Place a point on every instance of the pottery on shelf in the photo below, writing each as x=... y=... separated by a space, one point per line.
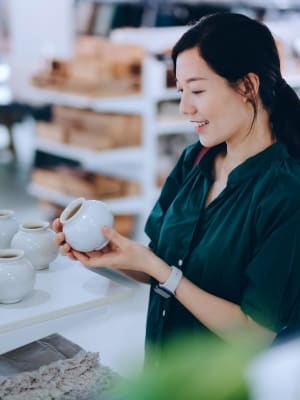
x=82 y=221
x=17 y=276
x=8 y=227
x=36 y=239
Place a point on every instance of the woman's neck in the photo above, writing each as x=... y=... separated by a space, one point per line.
x=258 y=139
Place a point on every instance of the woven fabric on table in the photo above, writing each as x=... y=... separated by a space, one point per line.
x=54 y=368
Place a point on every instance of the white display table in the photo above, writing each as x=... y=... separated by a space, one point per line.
x=66 y=294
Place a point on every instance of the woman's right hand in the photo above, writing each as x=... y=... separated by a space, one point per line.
x=60 y=240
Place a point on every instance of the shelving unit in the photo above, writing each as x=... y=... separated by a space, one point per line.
x=93 y=160
x=128 y=205
x=137 y=163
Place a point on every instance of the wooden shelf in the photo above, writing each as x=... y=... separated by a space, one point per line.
x=127 y=155
x=126 y=205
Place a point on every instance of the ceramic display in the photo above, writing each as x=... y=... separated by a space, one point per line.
x=8 y=227
x=17 y=276
x=36 y=239
x=82 y=221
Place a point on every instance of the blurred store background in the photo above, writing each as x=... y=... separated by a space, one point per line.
x=87 y=98
x=88 y=106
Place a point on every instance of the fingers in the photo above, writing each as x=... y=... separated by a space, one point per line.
x=57 y=225
x=114 y=236
x=102 y=260
x=59 y=239
x=71 y=256
x=65 y=249
x=95 y=258
x=103 y=250
x=94 y=253
x=83 y=258
x=106 y=249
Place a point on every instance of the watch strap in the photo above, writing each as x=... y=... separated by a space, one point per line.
x=168 y=288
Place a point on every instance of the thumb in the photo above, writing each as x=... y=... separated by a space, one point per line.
x=57 y=225
x=113 y=236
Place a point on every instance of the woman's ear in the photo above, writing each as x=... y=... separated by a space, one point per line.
x=248 y=86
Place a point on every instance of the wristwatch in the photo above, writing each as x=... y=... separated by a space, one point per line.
x=168 y=288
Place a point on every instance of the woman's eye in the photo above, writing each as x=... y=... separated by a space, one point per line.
x=198 y=91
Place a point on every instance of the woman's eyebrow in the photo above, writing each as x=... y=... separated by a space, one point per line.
x=197 y=78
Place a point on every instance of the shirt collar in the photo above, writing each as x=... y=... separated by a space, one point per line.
x=250 y=167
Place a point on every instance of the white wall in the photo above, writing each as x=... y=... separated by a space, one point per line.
x=39 y=28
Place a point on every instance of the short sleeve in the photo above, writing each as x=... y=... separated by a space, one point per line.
x=170 y=189
x=272 y=278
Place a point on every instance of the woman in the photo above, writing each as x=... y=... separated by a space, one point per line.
x=225 y=233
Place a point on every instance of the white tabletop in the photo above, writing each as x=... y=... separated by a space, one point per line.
x=64 y=295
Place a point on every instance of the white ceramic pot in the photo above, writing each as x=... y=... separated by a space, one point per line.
x=36 y=239
x=8 y=227
x=17 y=276
x=82 y=221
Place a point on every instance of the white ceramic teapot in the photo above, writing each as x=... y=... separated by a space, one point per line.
x=17 y=276
x=82 y=221
x=36 y=239
x=8 y=227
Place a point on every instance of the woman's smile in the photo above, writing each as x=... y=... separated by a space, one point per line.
x=200 y=126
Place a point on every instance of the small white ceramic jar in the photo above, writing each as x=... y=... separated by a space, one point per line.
x=82 y=221
x=8 y=227
x=17 y=276
x=36 y=239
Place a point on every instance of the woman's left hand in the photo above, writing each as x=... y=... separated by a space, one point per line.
x=121 y=253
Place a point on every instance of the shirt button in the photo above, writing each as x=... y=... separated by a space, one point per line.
x=180 y=262
x=164 y=313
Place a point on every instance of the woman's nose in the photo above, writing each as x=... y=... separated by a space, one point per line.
x=185 y=106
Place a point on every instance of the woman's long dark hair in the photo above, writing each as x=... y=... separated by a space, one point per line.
x=234 y=45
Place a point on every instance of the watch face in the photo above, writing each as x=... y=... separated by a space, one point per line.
x=162 y=291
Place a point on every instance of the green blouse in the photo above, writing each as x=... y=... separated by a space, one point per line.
x=244 y=247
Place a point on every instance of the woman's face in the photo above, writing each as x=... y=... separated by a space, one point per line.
x=219 y=112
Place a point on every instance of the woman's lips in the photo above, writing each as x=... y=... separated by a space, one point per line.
x=200 y=127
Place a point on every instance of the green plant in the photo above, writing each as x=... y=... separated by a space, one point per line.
x=196 y=369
